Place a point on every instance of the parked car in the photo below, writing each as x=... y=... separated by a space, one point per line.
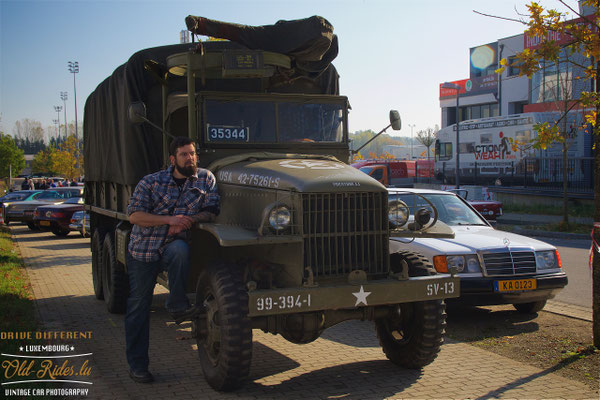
x=23 y=211
x=57 y=217
x=495 y=267
x=490 y=209
x=20 y=195
x=80 y=222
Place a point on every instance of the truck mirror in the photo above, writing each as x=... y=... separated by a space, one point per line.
x=136 y=112
x=395 y=120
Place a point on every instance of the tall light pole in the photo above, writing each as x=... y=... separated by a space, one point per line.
x=64 y=96
x=454 y=86
x=58 y=109
x=411 y=140
x=56 y=126
x=74 y=69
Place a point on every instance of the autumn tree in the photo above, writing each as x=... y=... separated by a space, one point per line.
x=28 y=129
x=42 y=161
x=12 y=159
x=582 y=38
x=427 y=138
x=64 y=161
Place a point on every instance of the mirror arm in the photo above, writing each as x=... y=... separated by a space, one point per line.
x=370 y=140
x=155 y=126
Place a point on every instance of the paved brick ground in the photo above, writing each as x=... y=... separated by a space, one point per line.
x=346 y=362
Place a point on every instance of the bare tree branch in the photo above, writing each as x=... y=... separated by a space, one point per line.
x=504 y=18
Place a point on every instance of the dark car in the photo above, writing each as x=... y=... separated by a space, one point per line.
x=70 y=191
x=57 y=217
x=490 y=209
x=22 y=211
x=12 y=197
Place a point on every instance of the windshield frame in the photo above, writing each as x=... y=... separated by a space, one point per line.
x=275 y=99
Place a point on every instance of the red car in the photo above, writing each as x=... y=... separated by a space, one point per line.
x=488 y=208
x=57 y=217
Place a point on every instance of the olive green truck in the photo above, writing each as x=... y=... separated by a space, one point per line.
x=301 y=243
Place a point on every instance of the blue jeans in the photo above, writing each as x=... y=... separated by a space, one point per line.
x=142 y=279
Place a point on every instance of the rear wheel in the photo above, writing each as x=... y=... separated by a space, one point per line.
x=97 y=242
x=530 y=308
x=223 y=330
x=115 y=284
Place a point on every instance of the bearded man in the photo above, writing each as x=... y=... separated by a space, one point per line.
x=162 y=209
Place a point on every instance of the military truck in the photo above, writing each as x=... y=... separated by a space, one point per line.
x=301 y=243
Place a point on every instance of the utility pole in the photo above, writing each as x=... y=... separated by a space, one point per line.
x=64 y=97
x=58 y=109
x=411 y=140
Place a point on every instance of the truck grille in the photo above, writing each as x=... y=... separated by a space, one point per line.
x=509 y=263
x=344 y=232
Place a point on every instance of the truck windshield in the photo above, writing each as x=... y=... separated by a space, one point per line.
x=255 y=121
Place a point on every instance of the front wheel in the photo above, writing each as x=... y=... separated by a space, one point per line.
x=223 y=330
x=60 y=232
x=412 y=334
x=530 y=308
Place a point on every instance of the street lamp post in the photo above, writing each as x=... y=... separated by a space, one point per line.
x=64 y=97
x=58 y=109
x=454 y=86
x=411 y=140
x=74 y=69
x=56 y=127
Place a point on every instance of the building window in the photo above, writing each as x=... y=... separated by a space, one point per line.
x=513 y=67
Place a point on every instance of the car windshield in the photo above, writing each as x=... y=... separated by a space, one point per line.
x=257 y=121
x=49 y=195
x=451 y=209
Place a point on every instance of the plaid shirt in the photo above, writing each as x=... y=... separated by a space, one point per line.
x=159 y=194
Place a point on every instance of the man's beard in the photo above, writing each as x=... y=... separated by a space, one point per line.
x=186 y=171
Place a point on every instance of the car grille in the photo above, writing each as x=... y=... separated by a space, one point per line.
x=345 y=232
x=509 y=263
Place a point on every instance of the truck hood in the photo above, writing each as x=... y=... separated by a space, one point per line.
x=295 y=172
x=470 y=240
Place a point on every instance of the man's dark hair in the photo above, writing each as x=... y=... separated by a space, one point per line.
x=178 y=142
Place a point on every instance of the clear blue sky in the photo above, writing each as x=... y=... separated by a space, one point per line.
x=393 y=54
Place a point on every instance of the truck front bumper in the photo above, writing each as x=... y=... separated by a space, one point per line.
x=351 y=296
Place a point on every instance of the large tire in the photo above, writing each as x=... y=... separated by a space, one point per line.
x=115 y=284
x=223 y=330
x=97 y=242
x=411 y=337
x=530 y=308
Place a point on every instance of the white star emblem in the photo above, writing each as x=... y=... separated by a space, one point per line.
x=361 y=296
x=21 y=348
x=72 y=348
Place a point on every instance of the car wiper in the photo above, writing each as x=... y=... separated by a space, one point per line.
x=466 y=223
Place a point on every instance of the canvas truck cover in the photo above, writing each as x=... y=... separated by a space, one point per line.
x=115 y=150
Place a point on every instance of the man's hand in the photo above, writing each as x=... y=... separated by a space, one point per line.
x=179 y=223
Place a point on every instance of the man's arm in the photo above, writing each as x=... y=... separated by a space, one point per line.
x=141 y=218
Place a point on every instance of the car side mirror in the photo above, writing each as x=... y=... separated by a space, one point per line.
x=395 y=120
x=137 y=112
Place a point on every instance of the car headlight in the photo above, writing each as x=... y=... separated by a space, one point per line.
x=280 y=218
x=547 y=259
x=462 y=263
x=397 y=214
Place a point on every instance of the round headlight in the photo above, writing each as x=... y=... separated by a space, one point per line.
x=457 y=262
x=472 y=264
x=280 y=218
x=397 y=213
x=546 y=259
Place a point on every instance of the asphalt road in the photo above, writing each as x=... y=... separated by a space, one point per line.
x=574 y=255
